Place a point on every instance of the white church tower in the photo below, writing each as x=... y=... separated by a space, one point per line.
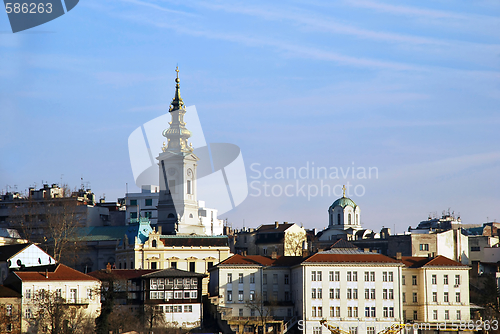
x=177 y=205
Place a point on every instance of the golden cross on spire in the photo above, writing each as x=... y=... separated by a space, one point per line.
x=343 y=189
x=177 y=70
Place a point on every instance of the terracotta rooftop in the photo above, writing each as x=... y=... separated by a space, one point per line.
x=439 y=261
x=281 y=261
x=61 y=273
x=351 y=258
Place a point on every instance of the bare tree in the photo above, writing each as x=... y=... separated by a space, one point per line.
x=293 y=243
x=262 y=309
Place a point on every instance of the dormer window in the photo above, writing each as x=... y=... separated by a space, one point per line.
x=153 y=244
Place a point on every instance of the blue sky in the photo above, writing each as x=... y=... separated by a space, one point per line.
x=411 y=88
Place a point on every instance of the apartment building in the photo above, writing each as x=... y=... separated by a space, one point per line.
x=435 y=290
x=358 y=291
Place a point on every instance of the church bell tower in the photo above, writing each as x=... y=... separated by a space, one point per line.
x=177 y=205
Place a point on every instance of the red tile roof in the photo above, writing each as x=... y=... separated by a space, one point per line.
x=351 y=258
x=61 y=273
x=421 y=261
x=249 y=260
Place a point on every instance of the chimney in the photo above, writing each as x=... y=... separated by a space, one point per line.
x=274 y=255
x=159 y=230
x=108 y=268
x=398 y=256
x=46 y=273
x=276 y=224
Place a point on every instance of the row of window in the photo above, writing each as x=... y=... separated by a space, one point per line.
x=433 y=280
x=168 y=283
x=286 y=278
x=458 y=315
x=271 y=313
x=73 y=293
x=145 y=214
x=446 y=298
x=175 y=308
x=167 y=295
x=147 y=202
x=352 y=312
x=229 y=296
x=334 y=276
x=352 y=293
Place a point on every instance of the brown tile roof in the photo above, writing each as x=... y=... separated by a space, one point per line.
x=341 y=243
x=272 y=228
x=194 y=240
x=421 y=261
x=61 y=273
x=5 y=292
x=351 y=258
x=248 y=260
x=121 y=274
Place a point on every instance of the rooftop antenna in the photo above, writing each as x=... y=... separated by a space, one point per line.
x=126 y=188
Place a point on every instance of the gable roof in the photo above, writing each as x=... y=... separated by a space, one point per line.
x=172 y=272
x=281 y=261
x=8 y=251
x=438 y=261
x=272 y=227
x=350 y=258
x=60 y=273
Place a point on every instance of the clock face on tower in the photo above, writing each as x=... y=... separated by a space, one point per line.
x=171 y=171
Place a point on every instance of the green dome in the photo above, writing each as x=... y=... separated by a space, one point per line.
x=343 y=202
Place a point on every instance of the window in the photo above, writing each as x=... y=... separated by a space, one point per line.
x=313 y=293
x=28 y=314
x=403 y=281
x=188 y=186
x=240 y=295
x=349 y=276
x=355 y=294
x=459 y=316
x=174 y=265
x=316 y=330
x=415 y=298
x=187 y=295
x=385 y=312
x=287 y=279
x=391 y=294
x=89 y=293
x=313 y=311
x=372 y=294
x=372 y=276
x=320 y=311
x=414 y=280
x=373 y=313
x=446 y=314
x=349 y=219
x=252 y=313
x=332 y=296
x=391 y=276
x=404 y=297
x=435 y=315
x=192 y=267
x=384 y=294
x=264 y=295
x=133 y=202
x=384 y=276
x=415 y=315
x=391 y=312
x=338 y=219
x=424 y=247
x=355 y=309
x=349 y=293
x=457 y=297
x=240 y=278
x=434 y=279
x=337 y=276
x=229 y=296
x=252 y=295
x=337 y=311
x=457 y=279
x=445 y=297
x=475 y=249
x=275 y=278
x=153 y=265
x=370 y=330
x=9 y=327
x=287 y=295
x=330 y=276
x=367 y=312
x=404 y=315
x=264 y=279
x=445 y=279
x=332 y=311
x=367 y=276
x=240 y=312
x=252 y=278
x=133 y=215
x=229 y=278
x=320 y=293
x=148 y=201
x=72 y=295
x=188 y=308
x=349 y=312
x=313 y=276
x=435 y=297
x=367 y=293
x=178 y=295
x=8 y=310
x=337 y=293
x=355 y=276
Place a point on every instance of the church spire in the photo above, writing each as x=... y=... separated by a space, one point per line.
x=177 y=134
